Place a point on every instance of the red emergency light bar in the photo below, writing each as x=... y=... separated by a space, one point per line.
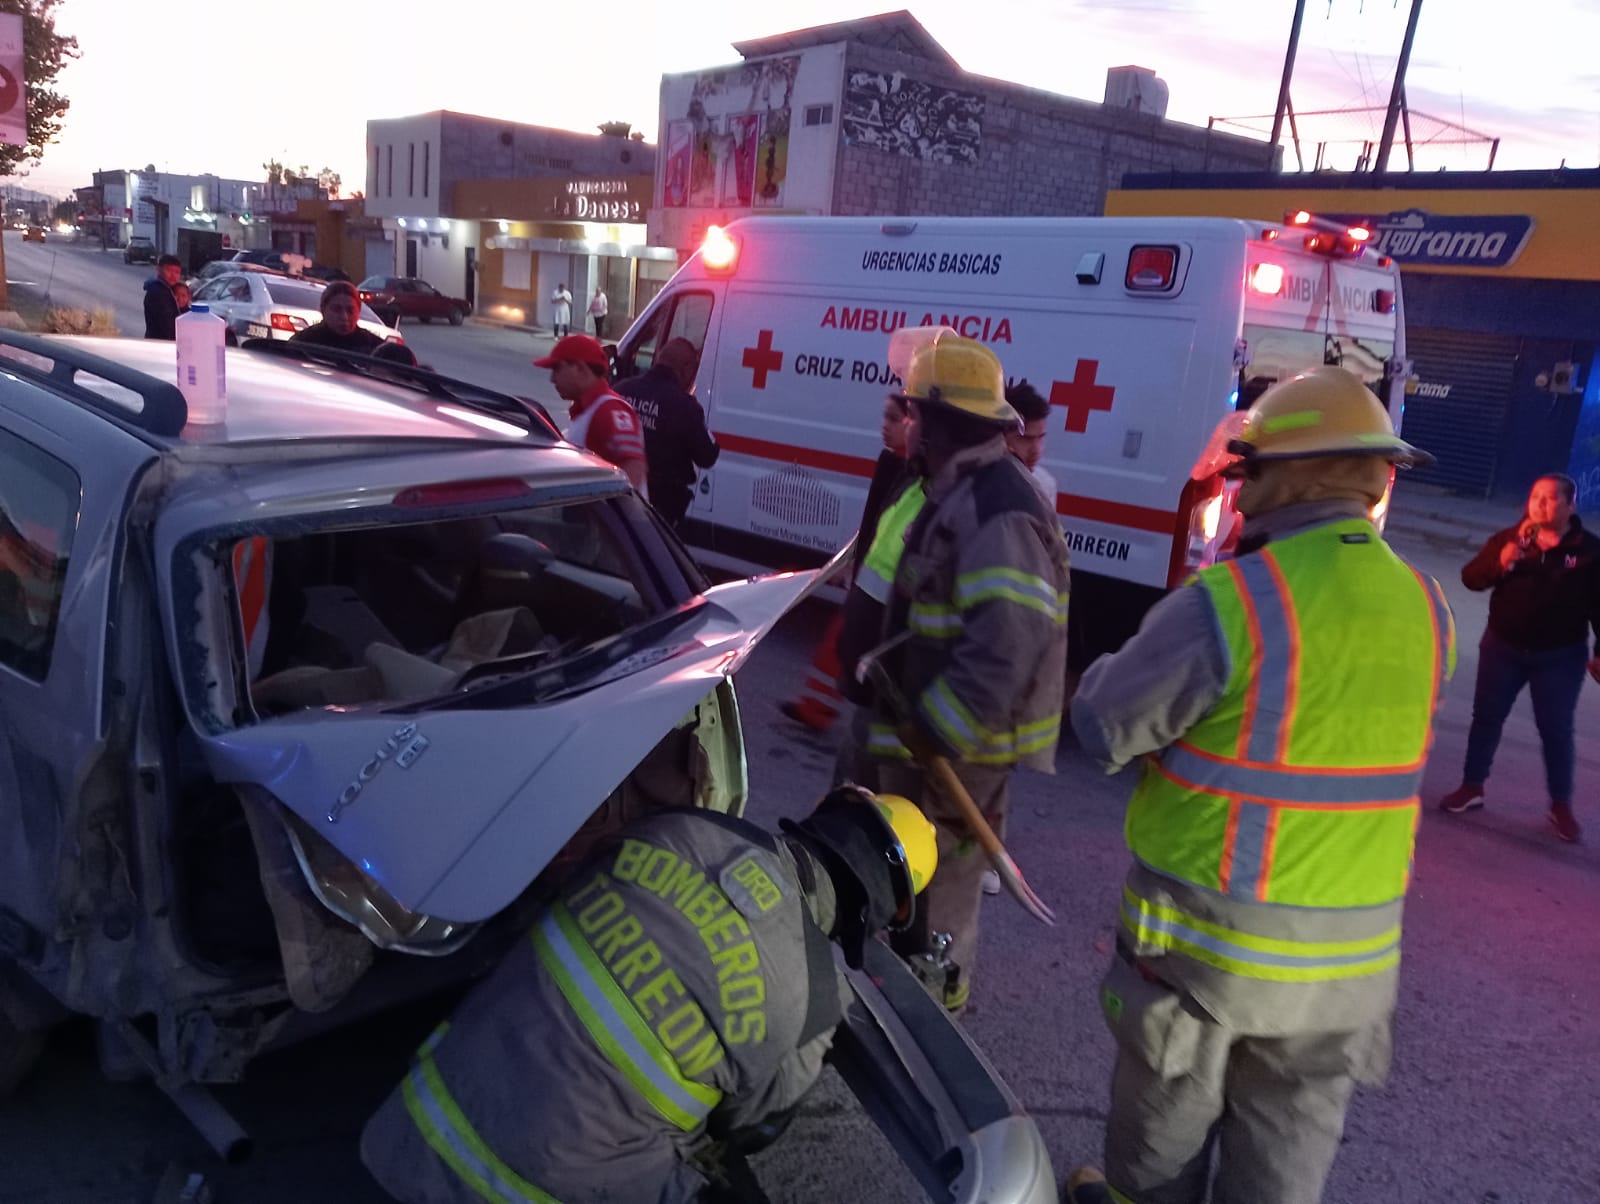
x=1331 y=238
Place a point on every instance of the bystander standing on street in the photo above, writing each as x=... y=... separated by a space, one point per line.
x=561 y=311
x=1543 y=575
x=161 y=299
x=676 y=440
x=598 y=308
x=340 y=326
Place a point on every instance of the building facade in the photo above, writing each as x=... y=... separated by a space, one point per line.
x=874 y=117
x=499 y=212
x=198 y=218
x=1501 y=275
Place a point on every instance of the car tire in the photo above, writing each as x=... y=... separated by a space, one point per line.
x=424 y=319
x=457 y=315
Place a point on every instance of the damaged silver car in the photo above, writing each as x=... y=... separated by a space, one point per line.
x=303 y=714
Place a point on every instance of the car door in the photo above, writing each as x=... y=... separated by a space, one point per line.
x=438 y=304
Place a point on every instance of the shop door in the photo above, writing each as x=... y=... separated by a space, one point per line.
x=411 y=257
x=1458 y=409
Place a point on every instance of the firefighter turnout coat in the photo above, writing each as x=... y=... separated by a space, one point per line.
x=981 y=586
x=667 y=983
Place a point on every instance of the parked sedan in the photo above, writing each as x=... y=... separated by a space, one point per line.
x=139 y=250
x=412 y=297
x=262 y=305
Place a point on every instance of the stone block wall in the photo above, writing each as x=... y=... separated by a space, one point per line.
x=1040 y=154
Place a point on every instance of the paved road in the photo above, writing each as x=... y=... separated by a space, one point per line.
x=1493 y=1098
x=76 y=274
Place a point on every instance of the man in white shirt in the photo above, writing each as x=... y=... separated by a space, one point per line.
x=598 y=307
x=1027 y=444
x=561 y=311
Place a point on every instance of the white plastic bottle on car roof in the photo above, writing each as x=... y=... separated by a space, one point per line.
x=202 y=374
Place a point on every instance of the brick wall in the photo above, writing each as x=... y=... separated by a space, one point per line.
x=1041 y=154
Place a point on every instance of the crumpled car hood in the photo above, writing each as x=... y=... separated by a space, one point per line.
x=455 y=812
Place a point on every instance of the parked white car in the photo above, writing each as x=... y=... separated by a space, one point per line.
x=260 y=305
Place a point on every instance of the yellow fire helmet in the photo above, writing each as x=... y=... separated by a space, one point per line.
x=867 y=835
x=940 y=367
x=918 y=839
x=1326 y=411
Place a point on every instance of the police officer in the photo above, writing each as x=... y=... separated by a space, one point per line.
x=676 y=440
x=681 y=983
x=980 y=590
x=1285 y=703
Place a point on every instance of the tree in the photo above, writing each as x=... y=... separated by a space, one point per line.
x=66 y=211
x=275 y=171
x=329 y=181
x=45 y=52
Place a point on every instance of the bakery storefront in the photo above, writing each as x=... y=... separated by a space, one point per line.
x=584 y=233
x=1501 y=293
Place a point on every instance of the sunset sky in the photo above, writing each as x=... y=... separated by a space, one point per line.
x=214 y=88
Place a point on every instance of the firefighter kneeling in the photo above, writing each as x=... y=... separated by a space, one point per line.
x=1284 y=706
x=682 y=982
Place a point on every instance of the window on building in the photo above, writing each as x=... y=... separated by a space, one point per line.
x=372 y=179
x=388 y=178
x=819 y=114
x=39 y=497
x=427 y=164
x=411 y=171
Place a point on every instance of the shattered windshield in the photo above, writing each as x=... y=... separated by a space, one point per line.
x=393 y=613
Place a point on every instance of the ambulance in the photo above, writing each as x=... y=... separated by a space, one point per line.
x=1143 y=333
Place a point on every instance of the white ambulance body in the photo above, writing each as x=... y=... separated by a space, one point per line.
x=1142 y=332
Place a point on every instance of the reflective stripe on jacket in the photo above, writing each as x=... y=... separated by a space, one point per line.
x=982 y=588
x=669 y=978
x=1291 y=807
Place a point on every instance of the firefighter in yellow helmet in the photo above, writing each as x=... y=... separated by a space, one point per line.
x=681 y=986
x=978 y=588
x=1283 y=703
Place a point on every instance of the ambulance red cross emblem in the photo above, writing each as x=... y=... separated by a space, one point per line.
x=1081 y=395
x=762 y=359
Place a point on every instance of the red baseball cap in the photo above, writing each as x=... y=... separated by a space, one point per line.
x=576 y=349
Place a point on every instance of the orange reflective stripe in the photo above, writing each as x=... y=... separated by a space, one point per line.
x=250 y=579
x=1252 y=697
x=1291 y=685
x=1269 y=846
x=1229 y=839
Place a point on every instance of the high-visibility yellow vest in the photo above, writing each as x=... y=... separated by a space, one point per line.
x=876 y=577
x=1299 y=787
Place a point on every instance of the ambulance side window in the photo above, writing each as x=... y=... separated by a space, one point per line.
x=684 y=315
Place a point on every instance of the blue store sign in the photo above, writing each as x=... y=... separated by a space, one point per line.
x=1478 y=241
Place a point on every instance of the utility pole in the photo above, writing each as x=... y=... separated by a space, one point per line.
x=1397 y=94
x=1288 y=71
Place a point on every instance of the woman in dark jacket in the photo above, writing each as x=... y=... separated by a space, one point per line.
x=1544 y=574
x=340 y=326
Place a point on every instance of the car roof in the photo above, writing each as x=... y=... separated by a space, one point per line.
x=273 y=397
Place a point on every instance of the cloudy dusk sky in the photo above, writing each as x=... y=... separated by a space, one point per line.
x=214 y=88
